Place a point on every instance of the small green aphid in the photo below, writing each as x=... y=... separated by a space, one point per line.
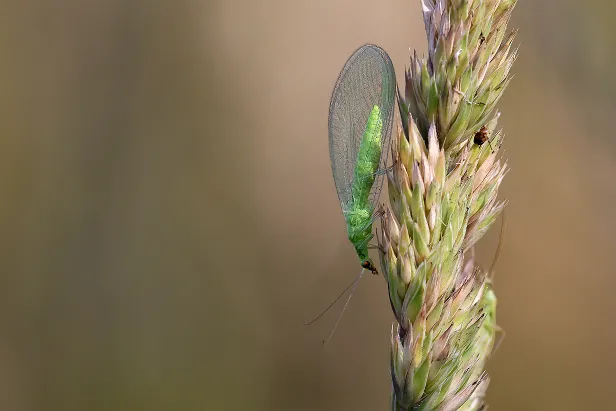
x=489 y=325
x=360 y=119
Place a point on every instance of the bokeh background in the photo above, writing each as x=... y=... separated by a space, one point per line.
x=168 y=218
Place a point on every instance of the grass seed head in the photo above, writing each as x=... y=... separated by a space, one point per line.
x=443 y=197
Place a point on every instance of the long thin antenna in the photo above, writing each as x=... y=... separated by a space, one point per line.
x=337 y=298
x=501 y=239
x=499 y=247
x=331 y=334
x=503 y=334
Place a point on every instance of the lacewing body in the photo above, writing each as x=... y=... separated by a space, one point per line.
x=360 y=121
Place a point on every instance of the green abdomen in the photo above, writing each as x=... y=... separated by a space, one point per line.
x=360 y=210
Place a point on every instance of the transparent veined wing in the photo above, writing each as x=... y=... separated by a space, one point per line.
x=367 y=79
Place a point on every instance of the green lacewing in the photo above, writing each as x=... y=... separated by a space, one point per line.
x=361 y=114
x=360 y=119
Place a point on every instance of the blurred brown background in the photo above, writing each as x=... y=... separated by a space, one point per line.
x=168 y=217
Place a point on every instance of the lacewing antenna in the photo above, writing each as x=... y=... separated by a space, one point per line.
x=499 y=247
x=353 y=285
x=331 y=334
